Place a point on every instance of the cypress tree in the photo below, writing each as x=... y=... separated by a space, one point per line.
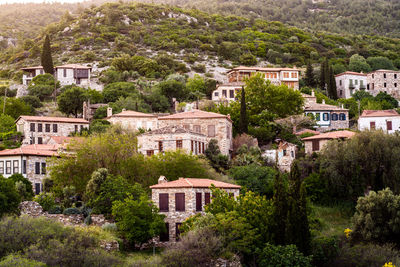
x=243 y=123
x=280 y=210
x=47 y=61
x=322 y=76
x=309 y=79
x=332 y=85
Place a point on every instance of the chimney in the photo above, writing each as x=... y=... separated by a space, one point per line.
x=229 y=116
x=162 y=180
x=124 y=109
x=85 y=108
x=109 y=112
x=323 y=101
x=312 y=93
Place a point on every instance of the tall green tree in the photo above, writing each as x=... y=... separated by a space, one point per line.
x=71 y=100
x=46 y=59
x=332 y=92
x=280 y=210
x=310 y=79
x=322 y=74
x=243 y=121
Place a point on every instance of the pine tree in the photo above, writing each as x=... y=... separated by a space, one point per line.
x=243 y=122
x=279 y=210
x=309 y=79
x=47 y=61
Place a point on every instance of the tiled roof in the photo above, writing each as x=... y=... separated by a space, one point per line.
x=194 y=114
x=381 y=70
x=351 y=73
x=72 y=66
x=131 y=113
x=53 y=119
x=232 y=84
x=331 y=135
x=317 y=106
x=261 y=69
x=194 y=183
x=306 y=131
x=379 y=113
x=64 y=139
x=33 y=150
x=32 y=68
x=172 y=129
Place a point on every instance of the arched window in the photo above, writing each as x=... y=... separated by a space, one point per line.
x=342 y=116
x=334 y=117
x=325 y=116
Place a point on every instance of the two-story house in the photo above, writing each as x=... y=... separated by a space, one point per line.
x=387 y=81
x=182 y=198
x=30 y=161
x=39 y=130
x=317 y=142
x=347 y=83
x=386 y=120
x=30 y=72
x=171 y=138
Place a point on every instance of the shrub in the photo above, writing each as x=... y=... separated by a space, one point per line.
x=316 y=188
x=46 y=200
x=70 y=211
x=19 y=261
x=25 y=186
x=55 y=210
x=9 y=197
x=283 y=256
x=109 y=227
x=199 y=68
x=324 y=249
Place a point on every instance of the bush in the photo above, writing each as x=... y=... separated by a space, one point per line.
x=55 y=210
x=46 y=200
x=199 y=68
x=23 y=186
x=31 y=100
x=70 y=211
x=9 y=197
x=324 y=249
x=316 y=188
x=19 y=261
x=109 y=227
x=283 y=256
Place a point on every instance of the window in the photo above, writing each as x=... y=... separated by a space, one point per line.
x=178 y=144
x=164 y=237
x=55 y=128
x=294 y=75
x=41 y=71
x=384 y=75
x=40 y=127
x=23 y=166
x=65 y=72
x=395 y=76
x=372 y=125
x=356 y=82
x=8 y=167
x=177 y=231
x=325 y=116
x=211 y=130
x=395 y=84
x=203 y=147
x=216 y=94
x=231 y=93
x=76 y=128
x=389 y=125
x=186 y=126
x=15 y=166
x=341 y=92
x=32 y=127
x=206 y=198
x=81 y=128
x=197 y=128
x=40 y=140
x=292 y=153
x=224 y=93
x=191 y=145
x=285 y=75
x=315 y=145
x=317 y=116
x=373 y=86
x=384 y=84
x=47 y=128
x=37 y=188
x=32 y=140
x=342 y=116
x=372 y=76
x=1 y=167
x=334 y=117
x=179 y=201
x=160 y=146
x=150 y=153
x=43 y=167
x=37 y=167
x=340 y=82
x=284 y=152
x=163 y=202
x=198 y=202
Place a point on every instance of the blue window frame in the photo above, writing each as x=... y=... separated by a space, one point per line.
x=325 y=116
x=317 y=116
x=334 y=117
x=342 y=116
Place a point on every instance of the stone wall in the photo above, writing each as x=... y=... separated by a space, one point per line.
x=376 y=83
x=135 y=123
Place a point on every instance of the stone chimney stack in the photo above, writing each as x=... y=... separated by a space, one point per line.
x=85 y=111
x=124 y=109
x=162 y=180
x=109 y=112
x=323 y=101
x=312 y=93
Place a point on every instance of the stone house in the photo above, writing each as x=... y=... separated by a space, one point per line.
x=30 y=161
x=38 y=129
x=386 y=120
x=182 y=198
x=90 y=109
x=227 y=92
x=317 y=142
x=213 y=125
x=133 y=120
x=283 y=156
x=387 y=81
x=328 y=117
x=171 y=138
x=30 y=72
x=347 y=83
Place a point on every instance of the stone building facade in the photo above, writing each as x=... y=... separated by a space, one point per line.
x=133 y=120
x=317 y=142
x=39 y=130
x=387 y=81
x=227 y=92
x=283 y=156
x=171 y=138
x=90 y=109
x=347 y=83
x=183 y=198
x=31 y=161
x=213 y=125
x=386 y=120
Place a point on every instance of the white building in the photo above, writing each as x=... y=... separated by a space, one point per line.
x=347 y=83
x=227 y=92
x=30 y=73
x=133 y=120
x=387 y=120
x=283 y=156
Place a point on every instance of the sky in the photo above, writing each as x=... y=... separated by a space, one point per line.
x=38 y=1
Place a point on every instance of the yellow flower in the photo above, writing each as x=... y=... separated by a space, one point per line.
x=347 y=232
x=388 y=264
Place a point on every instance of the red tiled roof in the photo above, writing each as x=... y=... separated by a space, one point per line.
x=194 y=183
x=72 y=66
x=317 y=106
x=53 y=119
x=194 y=114
x=351 y=73
x=172 y=129
x=381 y=70
x=261 y=69
x=380 y=113
x=131 y=113
x=33 y=150
x=306 y=131
x=331 y=135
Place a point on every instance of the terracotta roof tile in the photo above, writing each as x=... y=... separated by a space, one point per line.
x=72 y=66
x=172 y=129
x=194 y=114
x=379 y=113
x=53 y=119
x=261 y=69
x=331 y=135
x=351 y=73
x=33 y=150
x=131 y=113
x=194 y=183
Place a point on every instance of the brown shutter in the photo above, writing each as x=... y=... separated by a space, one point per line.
x=389 y=125
x=198 y=202
x=180 y=201
x=206 y=198
x=163 y=202
x=372 y=125
x=315 y=145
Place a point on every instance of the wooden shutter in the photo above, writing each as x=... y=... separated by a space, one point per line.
x=43 y=167
x=37 y=167
x=163 y=202
x=198 y=202
x=211 y=130
x=206 y=198
x=37 y=188
x=372 y=125
x=389 y=125
x=164 y=237
x=180 y=201
x=315 y=145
